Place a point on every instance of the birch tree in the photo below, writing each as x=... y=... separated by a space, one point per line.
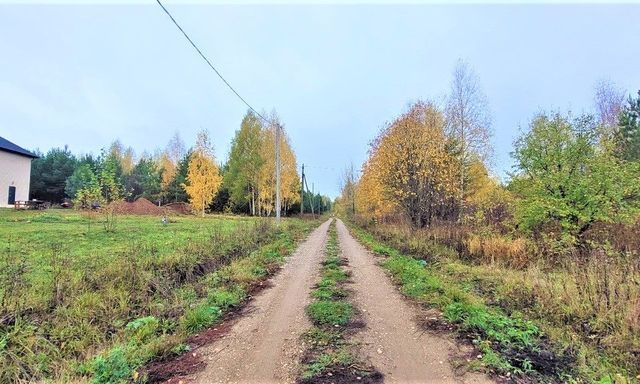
x=289 y=178
x=245 y=162
x=410 y=167
x=348 y=189
x=468 y=120
x=608 y=101
x=203 y=176
x=169 y=159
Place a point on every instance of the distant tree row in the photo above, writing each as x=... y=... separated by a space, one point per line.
x=244 y=184
x=430 y=165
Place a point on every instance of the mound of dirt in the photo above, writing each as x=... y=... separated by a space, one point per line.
x=141 y=206
x=179 y=208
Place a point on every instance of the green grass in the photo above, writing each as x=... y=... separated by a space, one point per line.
x=326 y=361
x=225 y=298
x=323 y=337
x=328 y=291
x=82 y=236
x=113 y=367
x=97 y=304
x=327 y=312
x=200 y=317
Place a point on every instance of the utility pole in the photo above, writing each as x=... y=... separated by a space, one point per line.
x=307 y=187
x=302 y=192
x=313 y=196
x=353 y=190
x=278 y=173
x=461 y=214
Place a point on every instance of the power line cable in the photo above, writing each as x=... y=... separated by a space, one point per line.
x=277 y=126
x=209 y=62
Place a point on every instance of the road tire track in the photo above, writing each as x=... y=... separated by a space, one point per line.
x=262 y=346
x=392 y=340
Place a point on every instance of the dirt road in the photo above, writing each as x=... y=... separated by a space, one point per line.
x=262 y=346
x=392 y=341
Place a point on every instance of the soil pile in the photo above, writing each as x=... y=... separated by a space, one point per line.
x=178 y=208
x=141 y=206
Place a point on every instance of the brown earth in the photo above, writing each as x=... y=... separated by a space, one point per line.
x=263 y=345
x=141 y=206
x=179 y=208
x=174 y=370
x=393 y=341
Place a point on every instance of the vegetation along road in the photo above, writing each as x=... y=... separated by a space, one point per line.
x=392 y=340
x=262 y=346
x=266 y=342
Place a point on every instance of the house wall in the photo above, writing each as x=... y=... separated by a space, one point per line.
x=15 y=170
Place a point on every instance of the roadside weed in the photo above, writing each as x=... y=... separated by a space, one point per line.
x=200 y=317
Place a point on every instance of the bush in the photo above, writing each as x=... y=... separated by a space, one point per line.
x=114 y=367
x=566 y=180
x=142 y=329
x=225 y=299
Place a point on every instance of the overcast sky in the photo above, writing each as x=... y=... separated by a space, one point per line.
x=84 y=75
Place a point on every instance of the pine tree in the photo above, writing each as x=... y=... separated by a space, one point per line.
x=629 y=130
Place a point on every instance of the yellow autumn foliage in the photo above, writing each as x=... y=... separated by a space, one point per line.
x=482 y=188
x=203 y=176
x=411 y=169
x=289 y=179
x=168 y=168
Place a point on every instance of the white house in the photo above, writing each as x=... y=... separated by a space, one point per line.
x=15 y=173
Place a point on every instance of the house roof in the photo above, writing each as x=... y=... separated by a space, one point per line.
x=7 y=146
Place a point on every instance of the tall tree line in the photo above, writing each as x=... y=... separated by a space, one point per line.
x=244 y=184
x=430 y=165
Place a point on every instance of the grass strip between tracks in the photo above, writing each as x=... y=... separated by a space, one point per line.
x=330 y=357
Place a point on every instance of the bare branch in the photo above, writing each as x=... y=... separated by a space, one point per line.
x=608 y=101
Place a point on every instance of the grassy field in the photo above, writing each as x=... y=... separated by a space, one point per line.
x=34 y=233
x=84 y=300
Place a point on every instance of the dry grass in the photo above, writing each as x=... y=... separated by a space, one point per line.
x=586 y=300
x=497 y=249
x=68 y=287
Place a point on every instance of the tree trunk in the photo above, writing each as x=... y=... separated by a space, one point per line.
x=253 y=202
